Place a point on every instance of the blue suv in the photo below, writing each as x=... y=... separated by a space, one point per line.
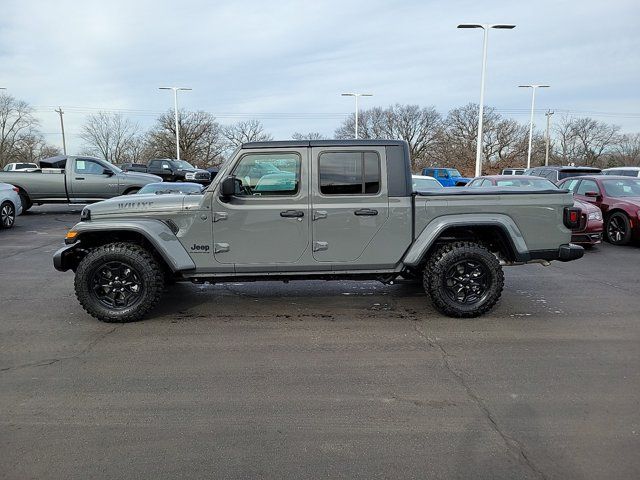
x=448 y=177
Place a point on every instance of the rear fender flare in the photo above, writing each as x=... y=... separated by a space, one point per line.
x=437 y=226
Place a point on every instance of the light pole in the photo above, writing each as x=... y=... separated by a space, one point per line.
x=175 y=109
x=356 y=95
x=546 y=152
x=533 y=88
x=485 y=27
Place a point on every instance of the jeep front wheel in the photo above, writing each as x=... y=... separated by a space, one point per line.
x=463 y=279
x=119 y=282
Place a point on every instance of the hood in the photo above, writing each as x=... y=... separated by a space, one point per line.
x=143 y=177
x=635 y=201
x=130 y=205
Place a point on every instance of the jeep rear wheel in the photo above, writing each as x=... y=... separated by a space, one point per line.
x=118 y=282
x=463 y=279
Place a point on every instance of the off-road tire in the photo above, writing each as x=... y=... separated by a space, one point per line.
x=446 y=258
x=8 y=215
x=618 y=229
x=26 y=201
x=140 y=261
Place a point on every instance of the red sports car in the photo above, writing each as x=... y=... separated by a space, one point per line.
x=619 y=199
x=590 y=230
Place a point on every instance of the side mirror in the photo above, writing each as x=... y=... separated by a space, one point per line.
x=107 y=172
x=228 y=186
x=592 y=195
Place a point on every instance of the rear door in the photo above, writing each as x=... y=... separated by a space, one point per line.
x=349 y=201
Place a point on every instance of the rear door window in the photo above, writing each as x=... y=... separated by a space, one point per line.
x=349 y=173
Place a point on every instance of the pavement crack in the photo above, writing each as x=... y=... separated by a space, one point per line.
x=51 y=361
x=512 y=444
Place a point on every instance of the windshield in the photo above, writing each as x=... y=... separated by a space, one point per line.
x=453 y=172
x=425 y=184
x=622 y=188
x=539 y=183
x=183 y=164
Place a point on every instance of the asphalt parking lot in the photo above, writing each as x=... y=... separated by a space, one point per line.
x=317 y=379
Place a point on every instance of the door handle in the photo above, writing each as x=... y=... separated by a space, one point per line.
x=366 y=212
x=79 y=178
x=292 y=213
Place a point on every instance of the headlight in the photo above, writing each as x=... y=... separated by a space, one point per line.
x=85 y=215
x=595 y=216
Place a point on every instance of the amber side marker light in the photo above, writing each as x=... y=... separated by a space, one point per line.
x=70 y=237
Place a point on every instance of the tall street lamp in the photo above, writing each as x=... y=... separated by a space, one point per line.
x=533 y=88
x=175 y=111
x=356 y=95
x=485 y=27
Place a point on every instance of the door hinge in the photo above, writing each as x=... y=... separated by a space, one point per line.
x=317 y=214
x=220 y=247
x=318 y=246
x=219 y=216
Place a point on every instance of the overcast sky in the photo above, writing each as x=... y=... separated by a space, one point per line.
x=286 y=63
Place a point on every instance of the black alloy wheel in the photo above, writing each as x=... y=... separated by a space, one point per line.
x=618 y=229
x=116 y=285
x=467 y=282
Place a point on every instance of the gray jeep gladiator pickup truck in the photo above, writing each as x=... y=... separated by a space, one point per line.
x=315 y=210
x=74 y=179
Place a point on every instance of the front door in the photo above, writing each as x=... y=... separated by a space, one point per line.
x=267 y=221
x=89 y=182
x=349 y=203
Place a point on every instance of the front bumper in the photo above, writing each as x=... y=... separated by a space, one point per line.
x=587 y=238
x=62 y=259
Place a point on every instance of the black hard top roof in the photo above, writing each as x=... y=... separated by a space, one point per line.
x=322 y=143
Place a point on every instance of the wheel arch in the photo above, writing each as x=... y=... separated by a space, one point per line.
x=154 y=235
x=499 y=233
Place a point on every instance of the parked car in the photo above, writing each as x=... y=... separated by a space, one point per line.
x=20 y=167
x=184 y=188
x=622 y=171
x=448 y=177
x=588 y=232
x=513 y=171
x=350 y=212
x=619 y=200
x=74 y=179
x=213 y=171
x=423 y=183
x=178 y=171
x=10 y=205
x=557 y=173
x=133 y=167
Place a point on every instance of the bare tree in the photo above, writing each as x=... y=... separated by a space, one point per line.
x=243 y=132
x=417 y=125
x=627 y=151
x=111 y=137
x=16 y=124
x=201 y=139
x=585 y=141
x=308 y=136
x=31 y=147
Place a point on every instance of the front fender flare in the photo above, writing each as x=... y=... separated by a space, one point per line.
x=434 y=229
x=156 y=232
